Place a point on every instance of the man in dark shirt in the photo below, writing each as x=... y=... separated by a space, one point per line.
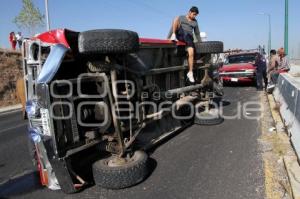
x=183 y=29
x=261 y=72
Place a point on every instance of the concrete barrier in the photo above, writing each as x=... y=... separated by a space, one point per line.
x=287 y=95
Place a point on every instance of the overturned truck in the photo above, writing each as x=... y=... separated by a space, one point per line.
x=97 y=101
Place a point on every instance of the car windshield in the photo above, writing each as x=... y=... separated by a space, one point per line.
x=235 y=59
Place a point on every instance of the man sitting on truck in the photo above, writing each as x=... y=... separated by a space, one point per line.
x=183 y=28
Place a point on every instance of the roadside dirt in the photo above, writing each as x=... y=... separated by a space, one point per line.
x=274 y=145
x=10 y=71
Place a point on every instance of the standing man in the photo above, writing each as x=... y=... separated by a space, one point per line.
x=12 y=40
x=261 y=72
x=183 y=28
x=19 y=38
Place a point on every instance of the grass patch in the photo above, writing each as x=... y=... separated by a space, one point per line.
x=279 y=147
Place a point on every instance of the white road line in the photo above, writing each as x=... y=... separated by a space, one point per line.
x=3 y=113
x=20 y=125
x=16 y=176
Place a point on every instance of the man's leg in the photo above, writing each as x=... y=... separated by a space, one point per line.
x=190 y=58
x=275 y=77
x=191 y=64
x=265 y=76
x=20 y=44
x=14 y=45
x=259 y=80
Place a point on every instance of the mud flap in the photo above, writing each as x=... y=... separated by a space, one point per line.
x=60 y=166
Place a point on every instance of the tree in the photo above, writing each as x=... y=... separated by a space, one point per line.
x=29 y=18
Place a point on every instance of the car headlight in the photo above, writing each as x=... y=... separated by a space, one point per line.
x=250 y=71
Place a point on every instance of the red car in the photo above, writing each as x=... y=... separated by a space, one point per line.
x=239 y=68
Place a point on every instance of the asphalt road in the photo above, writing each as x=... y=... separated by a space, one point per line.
x=209 y=162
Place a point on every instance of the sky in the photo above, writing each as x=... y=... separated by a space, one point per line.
x=235 y=22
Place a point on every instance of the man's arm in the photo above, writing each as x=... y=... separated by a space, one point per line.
x=197 y=33
x=272 y=64
x=175 y=26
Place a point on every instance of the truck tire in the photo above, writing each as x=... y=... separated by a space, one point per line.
x=108 y=41
x=208 y=118
x=209 y=47
x=117 y=177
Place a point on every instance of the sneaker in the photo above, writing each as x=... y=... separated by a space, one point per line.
x=173 y=37
x=270 y=88
x=190 y=77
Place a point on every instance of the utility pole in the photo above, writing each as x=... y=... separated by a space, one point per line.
x=286 y=28
x=47 y=15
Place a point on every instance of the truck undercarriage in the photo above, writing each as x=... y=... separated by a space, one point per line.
x=97 y=100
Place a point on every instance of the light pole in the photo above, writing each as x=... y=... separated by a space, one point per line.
x=47 y=15
x=286 y=28
x=270 y=31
